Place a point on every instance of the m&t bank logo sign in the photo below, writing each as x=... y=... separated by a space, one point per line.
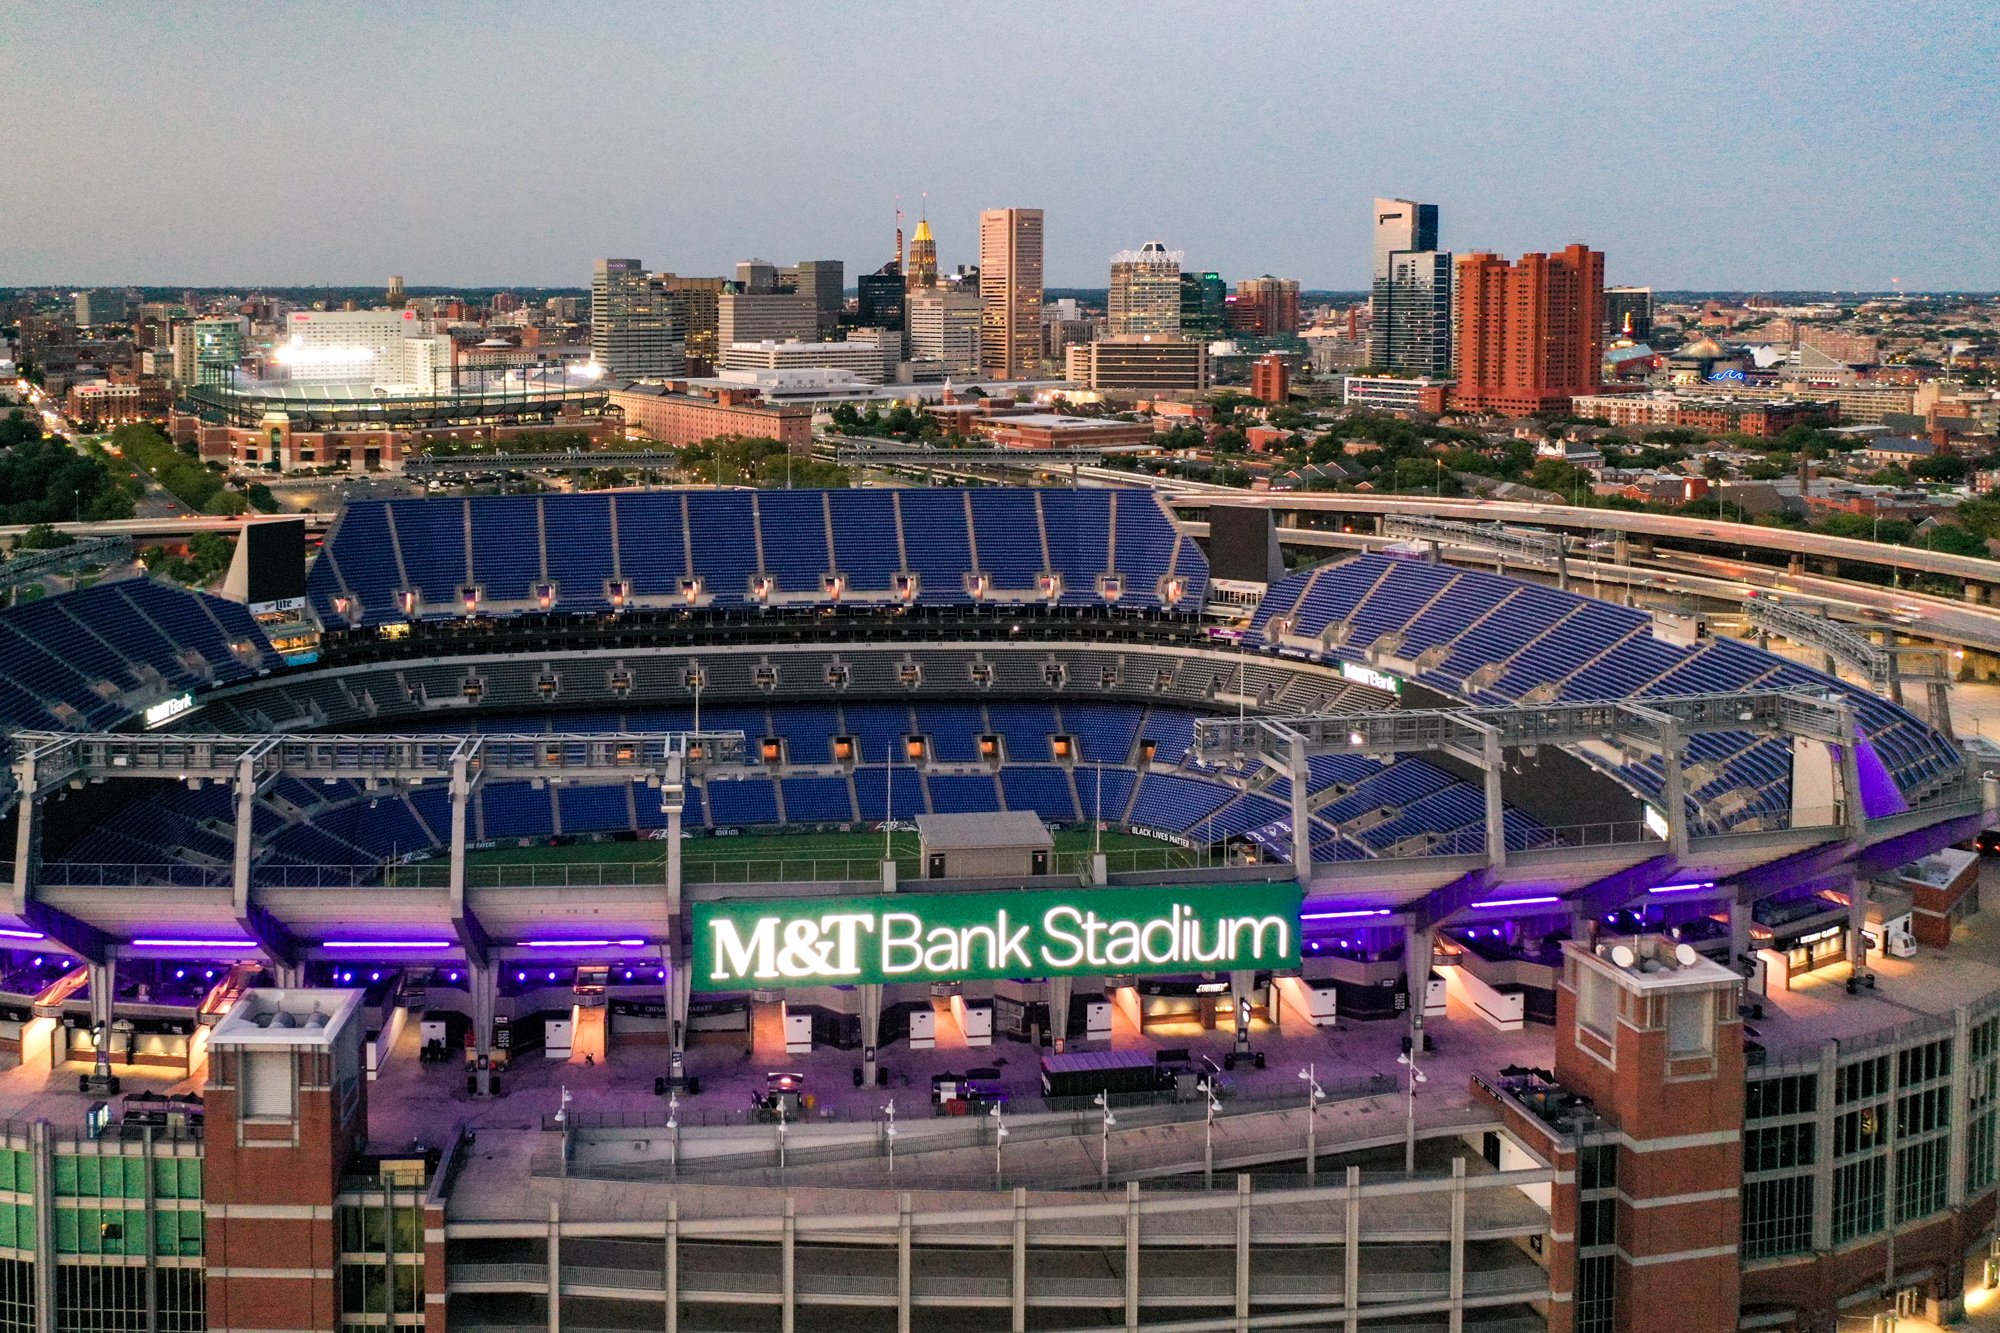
x=962 y=937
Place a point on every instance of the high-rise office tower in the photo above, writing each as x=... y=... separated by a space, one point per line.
x=1403 y=224
x=880 y=298
x=95 y=309
x=1411 y=332
x=1411 y=297
x=824 y=280
x=748 y=317
x=923 y=257
x=1628 y=313
x=217 y=346
x=944 y=324
x=1531 y=334
x=1010 y=286
x=1204 y=305
x=1146 y=290
x=695 y=303
x=632 y=330
x=757 y=277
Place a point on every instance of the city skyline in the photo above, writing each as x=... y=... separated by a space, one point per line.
x=1684 y=156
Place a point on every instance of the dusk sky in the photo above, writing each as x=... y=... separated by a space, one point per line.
x=1781 y=144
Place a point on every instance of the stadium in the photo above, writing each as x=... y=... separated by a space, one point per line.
x=1161 y=877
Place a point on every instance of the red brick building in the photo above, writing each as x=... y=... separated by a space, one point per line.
x=1530 y=334
x=672 y=415
x=1270 y=379
x=1049 y=430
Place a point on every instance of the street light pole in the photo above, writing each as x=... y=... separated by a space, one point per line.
x=1314 y=1095
x=781 y=1138
x=1103 y=1100
x=889 y=1133
x=1410 y=1122
x=1208 y=1135
x=999 y=1138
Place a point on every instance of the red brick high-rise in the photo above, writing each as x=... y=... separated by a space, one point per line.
x=1529 y=334
x=1270 y=380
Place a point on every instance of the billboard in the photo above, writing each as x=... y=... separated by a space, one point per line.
x=924 y=937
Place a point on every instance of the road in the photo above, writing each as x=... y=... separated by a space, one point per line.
x=1983 y=572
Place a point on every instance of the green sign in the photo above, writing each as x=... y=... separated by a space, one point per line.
x=742 y=945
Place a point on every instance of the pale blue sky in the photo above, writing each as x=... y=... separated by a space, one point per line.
x=1837 y=143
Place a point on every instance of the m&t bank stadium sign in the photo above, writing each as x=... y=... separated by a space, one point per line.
x=973 y=936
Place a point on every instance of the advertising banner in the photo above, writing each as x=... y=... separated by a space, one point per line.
x=923 y=937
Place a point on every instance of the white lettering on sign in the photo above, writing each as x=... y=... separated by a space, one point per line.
x=1369 y=676
x=168 y=709
x=829 y=947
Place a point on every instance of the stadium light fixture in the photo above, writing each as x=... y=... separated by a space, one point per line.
x=387 y=944
x=158 y=942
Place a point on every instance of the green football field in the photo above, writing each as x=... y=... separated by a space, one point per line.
x=790 y=856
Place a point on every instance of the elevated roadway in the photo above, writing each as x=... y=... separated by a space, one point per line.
x=1982 y=574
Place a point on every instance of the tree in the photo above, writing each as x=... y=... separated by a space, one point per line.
x=17 y=427
x=42 y=537
x=1952 y=540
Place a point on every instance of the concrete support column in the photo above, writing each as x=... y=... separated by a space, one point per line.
x=902 y=1261
x=1457 y=1260
x=1300 y=773
x=151 y=1225
x=1418 y=947
x=1822 y=1222
x=1131 y=1256
x=1240 y=982
x=871 y=1031
x=1673 y=790
x=1850 y=786
x=672 y=1286
x=555 y=1267
x=290 y=976
x=1060 y=990
x=1018 y=1319
x=246 y=812
x=43 y=1152
x=484 y=980
x=1579 y=921
x=1350 y=1245
x=1961 y=1060
x=788 y=1307
x=1493 y=764
x=27 y=836
x=1242 y=1254
x=677 y=960
x=1740 y=910
x=888 y=876
x=673 y=801
x=1857 y=924
x=673 y=862
x=103 y=992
